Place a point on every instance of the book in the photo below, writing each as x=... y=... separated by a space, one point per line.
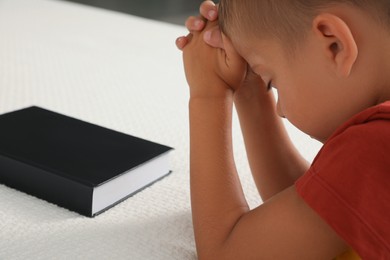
x=77 y=165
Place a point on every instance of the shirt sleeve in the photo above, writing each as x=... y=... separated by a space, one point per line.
x=348 y=185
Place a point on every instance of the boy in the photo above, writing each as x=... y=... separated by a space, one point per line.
x=328 y=61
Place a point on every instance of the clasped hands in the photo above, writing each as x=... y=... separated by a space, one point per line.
x=212 y=65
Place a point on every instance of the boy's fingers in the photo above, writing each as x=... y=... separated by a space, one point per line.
x=194 y=23
x=213 y=37
x=181 y=42
x=209 y=10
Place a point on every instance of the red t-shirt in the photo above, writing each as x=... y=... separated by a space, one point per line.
x=348 y=184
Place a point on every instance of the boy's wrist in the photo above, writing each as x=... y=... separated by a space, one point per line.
x=215 y=98
x=212 y=94
x=251 y=91
x=209 y=87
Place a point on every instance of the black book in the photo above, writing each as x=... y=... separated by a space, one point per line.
x=74 y=164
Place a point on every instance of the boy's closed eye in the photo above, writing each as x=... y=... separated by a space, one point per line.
x=269 y=85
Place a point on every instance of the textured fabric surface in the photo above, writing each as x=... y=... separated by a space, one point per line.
x=120 y=72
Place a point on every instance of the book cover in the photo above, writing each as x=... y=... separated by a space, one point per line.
x=77 y=165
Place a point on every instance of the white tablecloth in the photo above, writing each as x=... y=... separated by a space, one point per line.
x=121 y=72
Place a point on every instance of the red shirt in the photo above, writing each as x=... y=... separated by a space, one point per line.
x=348 y=184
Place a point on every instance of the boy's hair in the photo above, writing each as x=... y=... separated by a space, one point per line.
x=285 y=20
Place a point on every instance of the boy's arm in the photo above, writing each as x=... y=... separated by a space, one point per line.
x=213 y=176
x=274 y=161
x=284 y=227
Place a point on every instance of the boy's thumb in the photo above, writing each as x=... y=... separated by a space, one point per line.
x=213 y=37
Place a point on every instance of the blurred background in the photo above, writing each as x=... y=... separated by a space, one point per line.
x=172 y=11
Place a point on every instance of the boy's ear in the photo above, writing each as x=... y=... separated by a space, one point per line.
x=338 y=41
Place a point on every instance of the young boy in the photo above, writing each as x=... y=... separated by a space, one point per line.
x=329 y=62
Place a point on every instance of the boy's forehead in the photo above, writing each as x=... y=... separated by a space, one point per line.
x=254 y=51
x=242 y=46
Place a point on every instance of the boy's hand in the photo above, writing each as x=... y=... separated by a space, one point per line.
x=208 y=12
x=213 y=37
x=210 y=71
x=206 y=27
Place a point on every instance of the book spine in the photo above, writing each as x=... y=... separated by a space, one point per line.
x=46 y=185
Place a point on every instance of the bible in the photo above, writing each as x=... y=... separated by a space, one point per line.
x=77 y=165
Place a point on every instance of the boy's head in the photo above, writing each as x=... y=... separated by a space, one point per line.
x=328 y=59
x=286 y=20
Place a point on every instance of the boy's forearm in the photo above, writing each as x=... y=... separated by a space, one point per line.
x=274 y=161
x=216 y=195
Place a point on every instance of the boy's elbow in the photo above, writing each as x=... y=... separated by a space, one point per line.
x=216 y=253
x=212 y=255
x=218 y=241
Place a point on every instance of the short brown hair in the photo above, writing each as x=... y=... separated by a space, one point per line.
x=285 y=20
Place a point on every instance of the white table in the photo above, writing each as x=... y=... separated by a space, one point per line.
x=121 y=72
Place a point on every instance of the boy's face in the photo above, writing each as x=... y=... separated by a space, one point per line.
x=309 y=95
